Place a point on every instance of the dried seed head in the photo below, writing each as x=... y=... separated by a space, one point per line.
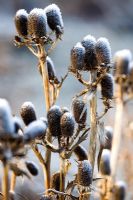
x=54 y=115
x=103 y=51
x=84 y=176
x=55 y=181
x=89 y=43
x=81 y=153
x=6 y=120
x=54 y=18
x=122 y=60
x=67 y=124
x=21 y=21
x=107 y=86
x=34 y=130
x=77 y=57
x=120 y=190
x=105 y=162
x=51 y=69
x=32 y=168
x=79 y=111
x=28 y=112
x=37 y=23
x=64 y=109
x=17 y=124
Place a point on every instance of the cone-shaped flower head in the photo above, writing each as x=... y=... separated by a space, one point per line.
x=107 y=86
x=81 y=153
x=120 y=190
x=51 y=68
x=105 y=162
x=32 y=168
x=21 y=21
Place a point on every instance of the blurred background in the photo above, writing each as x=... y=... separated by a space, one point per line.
x=19 y=77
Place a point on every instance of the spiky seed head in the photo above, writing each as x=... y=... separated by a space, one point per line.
x=55 y=181
x=107 y=86
x=84 y=176
x=7 y=128
x=122 y=60
x=54 y=18
x=77 y=57
x=67 y=124
x=105 y=162
x=103 y=51
x=120 y=190
x=79 y=108
x=32 y=168
x=17 y=124
x=90 y=61
x=37 y=23
x=36 y=129
x=27 y=112
x=21 y=21
x=51 y=69
x=81 y=153
x=54 y=115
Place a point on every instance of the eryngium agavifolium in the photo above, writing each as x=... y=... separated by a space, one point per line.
x=28 y=113
x=7 y=128
x=55 y=181
x=84 y=176
x=54 y=115
x=36 y=129
x=81 y=153
x=79 y=109
x=67 y=124
x=77 y=57
x=37 y=23
x=90 y=61
x=105 y=162
x=32 y=168
x=54 y=18
x=21 y=21
x=120 y=190
x=103 y=51
x=107 y=86
x=51 y=69
x=122 y=60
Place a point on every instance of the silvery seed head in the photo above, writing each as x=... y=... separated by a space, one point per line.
x=103 y=51
x=17 y=124
x=36 y=129
x=55 y=181
x=122 y=60
x=32 y=168
x=7 y=128
x=21 y=21
x=105 y=162
x=54 y=18
x=107 y=86
x=27 y=112
x=37 y=23
x=81 y=153
x=54 y=115
x=120 y=190
x=67 y=124
x=51 y=69
x=79 y=108
x=77 y=57
x=90 y=61
x=84 y=176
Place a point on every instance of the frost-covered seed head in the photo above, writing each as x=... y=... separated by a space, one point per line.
x=67 y=124
x=89 y=43
x=122 y=60
x=105 y=162
x=79 y=108
x=36 y=129
x=21 y=21
x=54 y=18
x=7 y=128
x=55 y=181
x=81 y=153
x=120 y=190
x=32 y=168
x=107 y=86
x=77 y=57
x=51 y=68
x=28 y=113
x=103 y=51
x=84 y=176
x=37 y=23
x=17 y=124
x=54 y=115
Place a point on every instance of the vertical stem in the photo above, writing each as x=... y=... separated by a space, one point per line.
x=62 y=177
x=13 y=182
x=5 y=183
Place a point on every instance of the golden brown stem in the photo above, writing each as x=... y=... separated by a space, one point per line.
x=62 y=176
x=13 y=182
x=5 y=182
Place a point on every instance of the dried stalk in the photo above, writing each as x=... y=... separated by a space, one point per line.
x=5 y=183
x=62 y=176
x=13 y=182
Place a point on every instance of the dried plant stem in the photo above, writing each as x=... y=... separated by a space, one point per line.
x=5 y=183
x=13 y=182
x=62 y=176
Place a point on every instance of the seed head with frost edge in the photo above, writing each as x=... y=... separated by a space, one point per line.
x=21 y=22
x=105 y=162
x=107 y=86
x=81 y=153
